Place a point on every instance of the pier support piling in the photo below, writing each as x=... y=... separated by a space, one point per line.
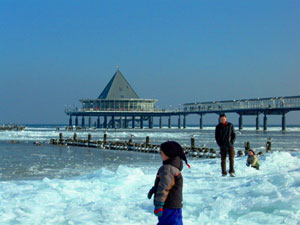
x=169 y=122
x=113 y=122
x=150 y=120
x=257 y=122
x=241 y=122
x=184 y=121
x=133 y=122
x=70 y=121
x=179 y=122
x=160 y=122
x=98 y=122
x=265 y=121
x=142 y=122
x=126 y=122
x=121 y=122
x=82 y=122
x=283 y=124
x=76 y=121
x=105 y=122
x=201 y=121
x=90 y=122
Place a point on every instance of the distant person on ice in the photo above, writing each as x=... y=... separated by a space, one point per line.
x=225 y=137
x=168 y=184
x=252 y=159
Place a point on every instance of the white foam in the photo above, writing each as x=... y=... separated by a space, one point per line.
x=270 y=195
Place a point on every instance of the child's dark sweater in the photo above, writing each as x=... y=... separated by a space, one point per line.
x=168 y=183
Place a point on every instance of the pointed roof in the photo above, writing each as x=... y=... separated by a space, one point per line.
x=118 y=88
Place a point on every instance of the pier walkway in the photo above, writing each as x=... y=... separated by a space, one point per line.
x=136 y=118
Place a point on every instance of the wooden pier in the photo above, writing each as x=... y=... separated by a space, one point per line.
x=138 y=119
x=118 y=106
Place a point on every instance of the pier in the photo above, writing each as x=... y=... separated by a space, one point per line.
x=119 y=107
x=249 y=107
x=141 y=119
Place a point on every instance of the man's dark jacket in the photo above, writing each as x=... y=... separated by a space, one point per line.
x=225 y=135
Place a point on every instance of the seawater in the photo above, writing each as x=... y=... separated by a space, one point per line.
x=69 y=185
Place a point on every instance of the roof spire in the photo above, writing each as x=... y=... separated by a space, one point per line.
x=118 y=88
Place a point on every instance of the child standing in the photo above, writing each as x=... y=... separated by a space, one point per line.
x=168 y=184
x=252 y=159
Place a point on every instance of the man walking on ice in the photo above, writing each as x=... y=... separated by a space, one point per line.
x=225 y=137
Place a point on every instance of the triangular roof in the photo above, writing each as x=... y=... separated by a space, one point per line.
x=118 y=88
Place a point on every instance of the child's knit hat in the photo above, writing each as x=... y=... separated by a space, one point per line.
x=251 y=150
x=173 y=149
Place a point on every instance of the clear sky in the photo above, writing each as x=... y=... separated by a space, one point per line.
x=55 y=52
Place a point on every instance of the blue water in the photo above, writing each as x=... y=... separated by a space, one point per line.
x=70 y=185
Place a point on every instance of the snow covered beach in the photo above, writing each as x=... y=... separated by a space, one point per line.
x=99 y=193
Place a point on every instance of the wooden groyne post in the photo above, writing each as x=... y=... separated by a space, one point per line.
x=75 y=137
x=268 y=145
x=105 y=138
x=61 y=138
x=192 y=143
x=147 y=141
x=247 y=146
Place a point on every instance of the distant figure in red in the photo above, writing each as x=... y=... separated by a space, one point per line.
x=225 y=137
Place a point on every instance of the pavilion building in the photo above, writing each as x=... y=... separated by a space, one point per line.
x=118 y=105
x=118 y=95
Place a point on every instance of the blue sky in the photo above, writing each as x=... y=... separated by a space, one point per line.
x=53 y=53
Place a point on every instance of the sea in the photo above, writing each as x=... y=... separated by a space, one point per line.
x=65 y=185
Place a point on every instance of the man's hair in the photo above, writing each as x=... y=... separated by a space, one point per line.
x=222 y=115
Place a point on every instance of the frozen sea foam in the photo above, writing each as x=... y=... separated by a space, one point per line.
x=270 y=195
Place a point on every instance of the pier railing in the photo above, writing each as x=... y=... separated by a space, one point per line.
x=287 y=103
x=264 y=103
x=72 y=110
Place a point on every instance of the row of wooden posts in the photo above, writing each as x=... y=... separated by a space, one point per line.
x=12 y=127
x=193 y=151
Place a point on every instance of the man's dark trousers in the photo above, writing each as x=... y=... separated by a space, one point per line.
x=231 y=153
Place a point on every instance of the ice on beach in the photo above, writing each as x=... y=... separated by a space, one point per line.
x=45 y=133
x=270 y=195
